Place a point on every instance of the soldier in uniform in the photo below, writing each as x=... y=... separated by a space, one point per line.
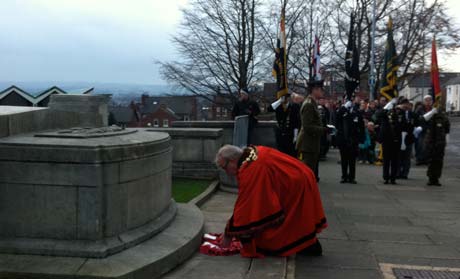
x=312 y=129
x=325 y=116
x=420 y=147
x=390 y=138
x=350 y=133
x=408 y=139
x=435 y=142
x=288 y=119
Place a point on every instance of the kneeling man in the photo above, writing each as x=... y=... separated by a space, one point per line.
x=278 y=210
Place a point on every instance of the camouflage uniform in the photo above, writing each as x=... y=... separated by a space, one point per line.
x=309 y=138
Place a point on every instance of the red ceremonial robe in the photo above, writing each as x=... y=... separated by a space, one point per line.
x=278 y=210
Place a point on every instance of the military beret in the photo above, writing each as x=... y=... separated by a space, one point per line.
x=315 y=83
x=403 y=101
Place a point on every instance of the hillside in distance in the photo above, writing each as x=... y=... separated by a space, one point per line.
x=122 y=93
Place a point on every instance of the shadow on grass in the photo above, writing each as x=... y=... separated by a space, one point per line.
x=185 y=189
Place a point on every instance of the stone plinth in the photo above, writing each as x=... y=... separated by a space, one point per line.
x=86 y=193
x=264 y=133
x=194 y=150
x=20 y=120
x=93 y=109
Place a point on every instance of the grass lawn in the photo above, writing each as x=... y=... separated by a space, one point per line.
x=185 y=189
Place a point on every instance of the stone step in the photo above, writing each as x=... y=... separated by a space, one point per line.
x=149 y=259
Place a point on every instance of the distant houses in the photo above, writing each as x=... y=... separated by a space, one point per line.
x=453 y=95
x=156 y=111
x=15 y=96
x=415 y=86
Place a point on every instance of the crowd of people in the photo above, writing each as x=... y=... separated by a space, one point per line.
x=381 y=132
x=278 y=210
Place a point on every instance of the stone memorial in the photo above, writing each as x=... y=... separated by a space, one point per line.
x=68 y=187
x=79 y=199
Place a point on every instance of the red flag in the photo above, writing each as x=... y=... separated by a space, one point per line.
x=435 y=85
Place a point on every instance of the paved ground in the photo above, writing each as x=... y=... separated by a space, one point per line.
x=371 y=225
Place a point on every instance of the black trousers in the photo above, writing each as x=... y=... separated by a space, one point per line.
x=404 y=161
x=435 y=164
x=348 y=161
x=390 y=160
x=285 y=143
x=311 y=159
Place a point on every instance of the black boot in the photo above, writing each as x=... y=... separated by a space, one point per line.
x=433 y=182
x=313 y=250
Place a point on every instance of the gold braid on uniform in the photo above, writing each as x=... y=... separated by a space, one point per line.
x=249 y=155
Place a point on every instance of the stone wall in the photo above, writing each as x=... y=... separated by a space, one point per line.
x=93 y=109
x=194 y=150
x=264 y=133
x=22 y=120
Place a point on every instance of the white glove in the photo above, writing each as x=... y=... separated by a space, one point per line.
x=296 y=133
x=331 y=129
x=278 y=102
x=427 y=116
x=403 y=141
x=417 y=131
x=348 y=104
x=391 y=104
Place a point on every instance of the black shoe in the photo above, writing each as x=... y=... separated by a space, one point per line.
x=344 y=180
x=353 y=181
x=313 y=250
x=386 y=181
x=434 y=183
x=393 y=182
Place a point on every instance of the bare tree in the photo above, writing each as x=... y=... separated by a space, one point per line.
x=304 y=19
x=226 y=45
x=218 y=47
x=414 y=25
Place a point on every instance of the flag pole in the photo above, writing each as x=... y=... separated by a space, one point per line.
x=372 y=75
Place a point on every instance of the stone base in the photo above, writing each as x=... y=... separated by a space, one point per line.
x=204 y=170
x=149 y=259
x=88 y=248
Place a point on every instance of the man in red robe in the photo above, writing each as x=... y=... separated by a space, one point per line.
x=278 y=210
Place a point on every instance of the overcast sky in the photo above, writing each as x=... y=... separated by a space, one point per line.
x=98 y=40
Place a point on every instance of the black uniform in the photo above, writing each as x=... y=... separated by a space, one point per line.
x=350 y=132
x=250 y=108
x=390 y=137
x=408 y=123
x=325 y=116
x=288 y=119
x=421 y=154
x=435 y=142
